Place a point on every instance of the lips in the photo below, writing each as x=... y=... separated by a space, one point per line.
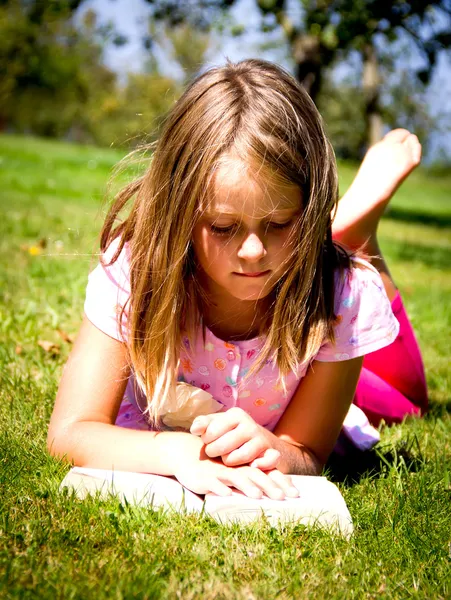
x=258 y=274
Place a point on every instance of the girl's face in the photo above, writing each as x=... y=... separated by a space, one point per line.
x=244 y=239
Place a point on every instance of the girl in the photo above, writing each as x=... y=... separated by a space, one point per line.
x=225 y=275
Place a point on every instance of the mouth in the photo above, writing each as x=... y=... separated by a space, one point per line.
x=257 y=274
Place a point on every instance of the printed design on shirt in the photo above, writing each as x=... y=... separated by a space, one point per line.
x=338 y=319
x=231 y=355
x=260 y=402
x=220 y=364
x=348 y=302
x=391 y=335
x=231 y=381
x=187 y=365
x=186 y=343
x=259 y=381
x=227 y=391
x=354 y=340
x=353 y=320
x=379 y=286
x=243 y=372
x=278 y=387
x=250 y=353
x=342 y=356
x=209 y=347
x=274 y=406
x=204 y=370
x=245 y=394
x=229 y=345
x=205 y=386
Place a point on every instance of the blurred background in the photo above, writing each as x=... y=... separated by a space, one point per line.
x=104 y=72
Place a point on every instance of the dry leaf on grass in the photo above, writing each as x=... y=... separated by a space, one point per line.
x=49 y=347
x=66 y=337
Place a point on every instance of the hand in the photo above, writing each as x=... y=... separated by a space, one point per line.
x=237 y=439
x=204 y=475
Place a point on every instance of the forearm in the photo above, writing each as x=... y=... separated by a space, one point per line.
x=102 y=445
x=297 y=460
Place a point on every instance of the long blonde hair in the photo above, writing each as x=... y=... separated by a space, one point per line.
x=261 y=113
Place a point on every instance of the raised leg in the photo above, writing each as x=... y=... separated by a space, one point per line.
x=383 y=169
x=392 y=384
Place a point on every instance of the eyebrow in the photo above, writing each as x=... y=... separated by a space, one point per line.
x=293 y=210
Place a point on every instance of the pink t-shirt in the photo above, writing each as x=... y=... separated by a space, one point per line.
x=365 y=323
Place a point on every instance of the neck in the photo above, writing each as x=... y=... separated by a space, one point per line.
x=234 y=319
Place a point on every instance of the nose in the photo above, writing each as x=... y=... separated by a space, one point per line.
x=252 y=248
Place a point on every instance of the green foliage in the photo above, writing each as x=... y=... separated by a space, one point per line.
x=189 y=48
x=131 y=114
x=55 y=546
x=342 y=107
x=51 y=68
x=56 y=84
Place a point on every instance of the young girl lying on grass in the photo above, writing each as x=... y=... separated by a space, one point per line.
x=227 y=275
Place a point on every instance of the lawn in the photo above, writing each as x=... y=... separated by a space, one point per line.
x=55 y=546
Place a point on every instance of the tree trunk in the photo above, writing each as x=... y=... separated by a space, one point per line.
x=307 y=53
x=371 y=90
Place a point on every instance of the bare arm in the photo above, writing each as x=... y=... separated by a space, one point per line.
x=82 y=428
x=309 y=428
x=304 y=436
x=82 y=425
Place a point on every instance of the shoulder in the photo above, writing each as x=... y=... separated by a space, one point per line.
x=364 y=317
x=108 y=290
x=360 y=279
x=116 y=266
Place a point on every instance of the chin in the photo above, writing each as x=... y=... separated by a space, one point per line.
x=251 y=295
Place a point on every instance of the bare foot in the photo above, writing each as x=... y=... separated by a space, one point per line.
x=384 y=168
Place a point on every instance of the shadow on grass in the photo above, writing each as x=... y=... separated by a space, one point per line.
x=437 y=257
x=356 y=465
x=438 y=410
x=416 y=216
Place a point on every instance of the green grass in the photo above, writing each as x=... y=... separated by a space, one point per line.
x=54 y=546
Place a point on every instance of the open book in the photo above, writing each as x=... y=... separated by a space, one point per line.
x=320 y=501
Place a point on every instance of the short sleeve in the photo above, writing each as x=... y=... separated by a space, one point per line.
x=108 y=290
x=365 y=320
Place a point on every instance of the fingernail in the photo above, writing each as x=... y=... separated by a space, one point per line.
x=293 y=492
x=255 y=493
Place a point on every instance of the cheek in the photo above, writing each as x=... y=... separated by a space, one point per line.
x=209 y=248
x=283 y=249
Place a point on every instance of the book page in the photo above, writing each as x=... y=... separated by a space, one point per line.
x=137 y=488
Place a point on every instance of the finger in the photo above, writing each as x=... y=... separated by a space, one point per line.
x=269 y=487
x=285 y=482
x=245 y=454
x=200 y=424
x=267 y=461
x=242 y=482
x=219 y=425
x=219 y=488
x=238 y=440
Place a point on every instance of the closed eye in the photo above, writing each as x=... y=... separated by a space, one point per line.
x=232 y=228
x=280 y=225
x=222 y=230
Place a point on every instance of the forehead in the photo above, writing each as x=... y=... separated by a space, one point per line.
x=238 y=191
